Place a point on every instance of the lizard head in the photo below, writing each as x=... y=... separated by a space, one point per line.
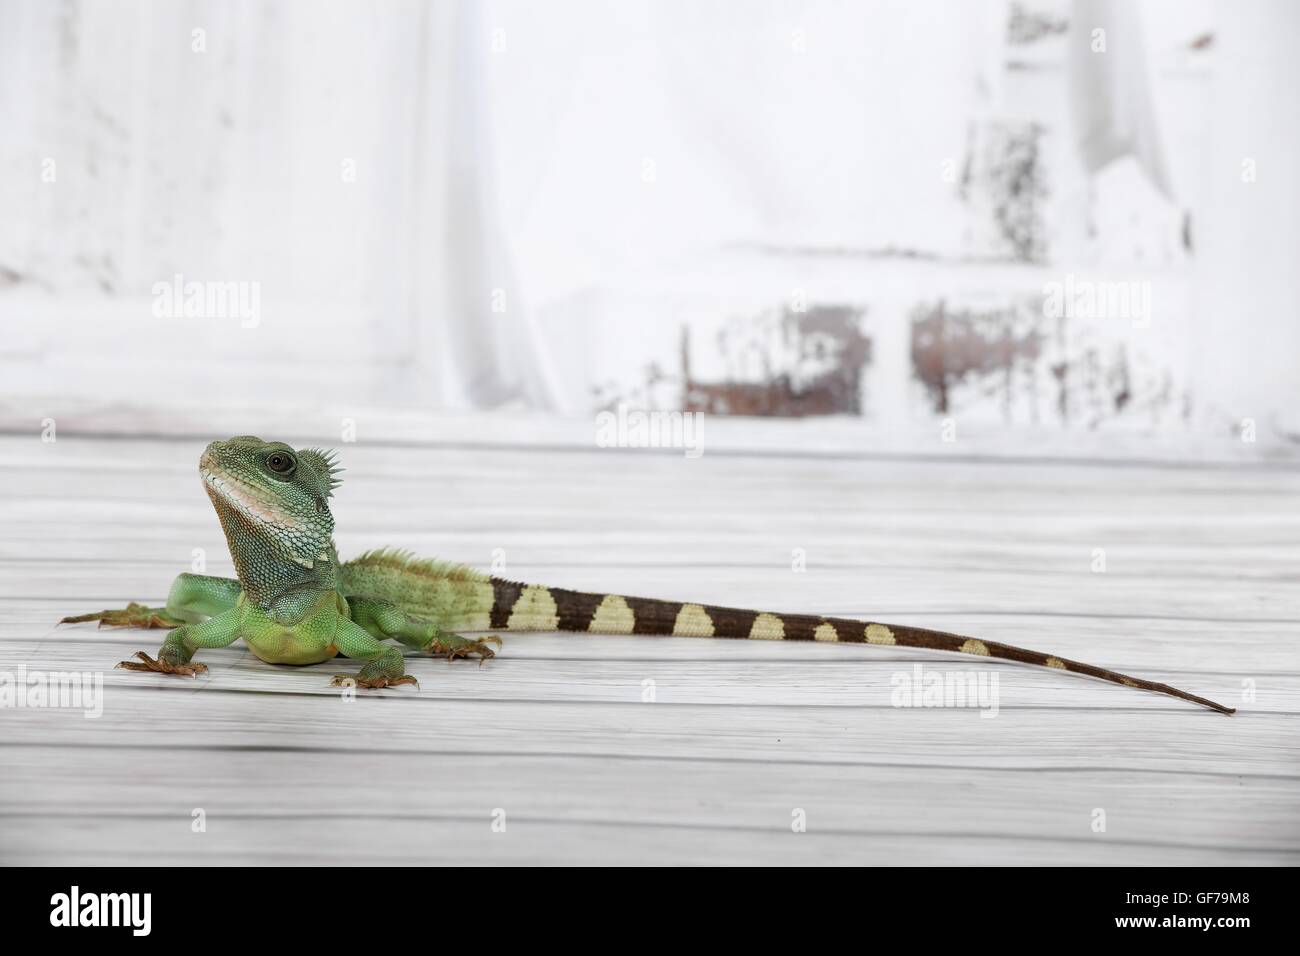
x=273 y=501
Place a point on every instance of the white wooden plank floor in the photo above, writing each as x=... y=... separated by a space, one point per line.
x=1199 y=591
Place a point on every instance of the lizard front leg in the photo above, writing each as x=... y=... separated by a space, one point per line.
x=384 y=666
x=192 y=598
x=385 y=620
x=180 y=645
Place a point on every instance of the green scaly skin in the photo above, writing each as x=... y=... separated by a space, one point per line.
x=294 y=603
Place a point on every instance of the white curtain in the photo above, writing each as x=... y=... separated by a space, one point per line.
x=1111 y=94
x=335 y=154
x=473 y=315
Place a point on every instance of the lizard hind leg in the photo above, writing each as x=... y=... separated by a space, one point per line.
x=385 y=620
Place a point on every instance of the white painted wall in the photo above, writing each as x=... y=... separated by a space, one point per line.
x=460 y=204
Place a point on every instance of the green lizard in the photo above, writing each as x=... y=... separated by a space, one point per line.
x=295 y=603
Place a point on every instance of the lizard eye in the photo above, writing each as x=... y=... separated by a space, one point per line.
x=281 y=463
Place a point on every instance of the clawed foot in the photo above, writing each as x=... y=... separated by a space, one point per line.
x=133 y=615
x=454 y=646
x=356 y=680
x=161 y=666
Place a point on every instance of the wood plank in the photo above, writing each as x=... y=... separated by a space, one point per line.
x=100 y=840
x=881 y=594
x=1198 y=592
x=1173 y=739
x=840 y=677
x=575 y=809
x=1199 y=647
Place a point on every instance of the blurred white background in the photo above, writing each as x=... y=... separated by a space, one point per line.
x=807 y=209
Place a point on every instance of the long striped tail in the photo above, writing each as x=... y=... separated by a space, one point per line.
x=528 y=607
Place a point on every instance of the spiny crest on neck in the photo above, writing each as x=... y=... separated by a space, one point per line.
x=325 y=462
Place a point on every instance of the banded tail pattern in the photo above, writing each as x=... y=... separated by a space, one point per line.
x=530 y=607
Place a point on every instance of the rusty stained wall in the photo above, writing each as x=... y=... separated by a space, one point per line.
x=1004 y=186
x=975 y=358
x=778 y=362
x=965 y=341
x=1014 y=364
x=785 y=364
